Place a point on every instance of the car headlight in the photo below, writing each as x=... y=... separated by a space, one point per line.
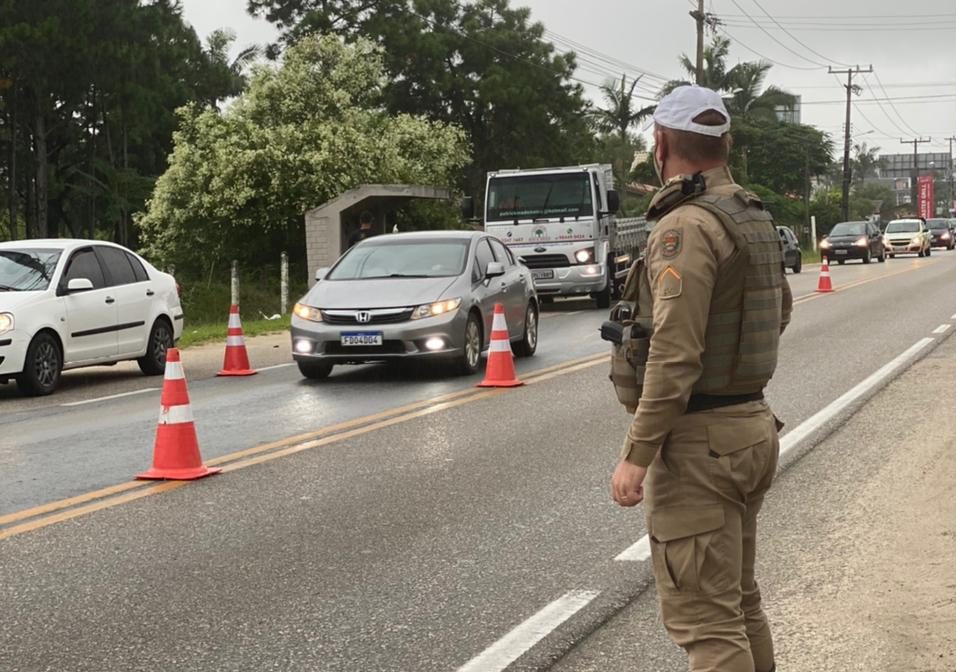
x=6 y=322
x=861 y=242
x=916 y=240
x=946 y=235
x=435 y=309
x=309 y=313
x=825 y=244
x=584 y=256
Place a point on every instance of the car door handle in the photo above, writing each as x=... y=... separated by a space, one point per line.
x=110 y=299
x=150 y=292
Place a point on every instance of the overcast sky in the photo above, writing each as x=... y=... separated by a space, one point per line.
x=913 y=55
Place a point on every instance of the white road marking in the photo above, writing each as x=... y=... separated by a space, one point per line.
x=942 y=329
x=516 y=643
x=953 y=317
x=638 y=552
x=277 y=366
x=112 y=396
x=796 y=436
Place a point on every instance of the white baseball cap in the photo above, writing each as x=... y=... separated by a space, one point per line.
x=678 y=109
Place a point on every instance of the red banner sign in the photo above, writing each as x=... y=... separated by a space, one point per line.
x=926 y=198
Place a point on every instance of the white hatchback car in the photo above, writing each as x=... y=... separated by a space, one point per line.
x=71 y=303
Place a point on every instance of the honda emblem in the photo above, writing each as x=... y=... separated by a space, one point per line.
x=363 y=317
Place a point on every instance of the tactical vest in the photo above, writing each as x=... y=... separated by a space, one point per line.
x=743 y=328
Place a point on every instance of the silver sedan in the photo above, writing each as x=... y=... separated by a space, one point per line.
x=428 y=295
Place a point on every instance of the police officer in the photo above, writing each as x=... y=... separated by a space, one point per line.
x=364 y=231
x=702 y=449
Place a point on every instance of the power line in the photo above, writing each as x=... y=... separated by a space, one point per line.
x=858 y=16
x=772 y=37
x=885 y=93
x=766 y=58
x=612 y=60
x=852 y=28
x=792 y=37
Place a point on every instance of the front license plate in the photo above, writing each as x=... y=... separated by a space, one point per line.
x=542 y=275
x=839 y=252
x=364 y=338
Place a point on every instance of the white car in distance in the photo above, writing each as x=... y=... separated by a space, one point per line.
x=66 y=304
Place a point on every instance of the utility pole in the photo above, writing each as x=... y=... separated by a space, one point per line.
x=849 y=72
x=699 y=16
x=914 y=187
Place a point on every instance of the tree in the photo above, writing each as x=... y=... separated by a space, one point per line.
x=866 y=163
x=621 y=113
x=783 y=157
x=481 y=65
x=240 y=180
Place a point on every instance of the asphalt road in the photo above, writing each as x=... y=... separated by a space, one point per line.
x=381 y=538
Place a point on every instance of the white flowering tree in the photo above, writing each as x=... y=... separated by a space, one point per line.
x=239 y=180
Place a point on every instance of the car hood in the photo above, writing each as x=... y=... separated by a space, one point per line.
x=903 y=234
x=10 y=301
x=384 y=293
x=845 y=239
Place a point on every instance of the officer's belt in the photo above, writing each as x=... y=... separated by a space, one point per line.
x=707 y=402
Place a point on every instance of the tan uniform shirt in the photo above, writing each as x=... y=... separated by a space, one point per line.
x=684 y=252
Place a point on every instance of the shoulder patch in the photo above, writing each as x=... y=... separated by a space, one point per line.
x=671 y=243
x=669 y=284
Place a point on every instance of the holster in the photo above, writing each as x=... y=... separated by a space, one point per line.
x=629 y=358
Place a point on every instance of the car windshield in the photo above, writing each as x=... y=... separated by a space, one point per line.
x=903 y=226
x=540 y=197
x=403 y=259
x=937 y=224
x=848 y=229
x=27 y=269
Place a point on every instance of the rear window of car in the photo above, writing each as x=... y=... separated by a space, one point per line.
x=903 y=226
x=848 y=229
x=412 y=258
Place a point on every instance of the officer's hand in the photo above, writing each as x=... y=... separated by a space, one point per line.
x=627 y=484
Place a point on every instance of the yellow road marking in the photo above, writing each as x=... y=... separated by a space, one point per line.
x=810 y=297
x=259 y=454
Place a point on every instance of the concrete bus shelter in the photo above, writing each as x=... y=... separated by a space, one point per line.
x=328 y=227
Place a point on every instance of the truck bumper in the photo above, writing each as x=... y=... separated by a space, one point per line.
x=572 y=281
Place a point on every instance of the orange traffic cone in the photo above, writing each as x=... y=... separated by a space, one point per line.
x=824 y=285
x=176 y=450
x=500 y=371
x=236 y=361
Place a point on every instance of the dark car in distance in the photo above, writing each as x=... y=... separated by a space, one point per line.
x=942 y=233
x=792 y=255
x=853 y=240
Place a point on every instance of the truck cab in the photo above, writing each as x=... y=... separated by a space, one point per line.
x=561 y=223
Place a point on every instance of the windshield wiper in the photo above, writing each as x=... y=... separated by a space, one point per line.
x=403 y=275
x=8 y=288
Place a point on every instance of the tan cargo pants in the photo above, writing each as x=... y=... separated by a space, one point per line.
x=702 y=496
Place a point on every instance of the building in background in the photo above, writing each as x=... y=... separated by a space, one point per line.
x=790 y=115
x=896 y=172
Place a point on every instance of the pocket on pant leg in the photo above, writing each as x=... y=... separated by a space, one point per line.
x=685 y=548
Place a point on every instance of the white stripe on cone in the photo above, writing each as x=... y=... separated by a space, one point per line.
x=175 y=415
x=234 y=322
x=499 y=323
x=499 y=346
x=174 y=371
x=234 y=341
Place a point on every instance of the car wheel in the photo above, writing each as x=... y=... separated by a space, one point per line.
x=529 y=341
x=153 y=363
x=42 y=366
x=892 y=256
x=797 y=267
x=867 y=258
x=841 y=261
x=603 y=298
x=882 y=257
x=929 y=251
x=471 y=347
x=315 y=370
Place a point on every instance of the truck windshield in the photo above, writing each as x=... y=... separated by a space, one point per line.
x=540 y=197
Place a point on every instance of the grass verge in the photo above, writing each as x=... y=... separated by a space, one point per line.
x=210 y=333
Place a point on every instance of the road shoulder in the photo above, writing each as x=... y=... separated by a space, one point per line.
x=857 y=547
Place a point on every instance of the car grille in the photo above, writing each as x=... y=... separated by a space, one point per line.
x=387 y=348
x=350 y=318
x=546 y=261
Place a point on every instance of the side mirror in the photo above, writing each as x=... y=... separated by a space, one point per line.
x=495 y=269
x=79 y=285
x=468 y=208
x=321 y=273
x=613 y=202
